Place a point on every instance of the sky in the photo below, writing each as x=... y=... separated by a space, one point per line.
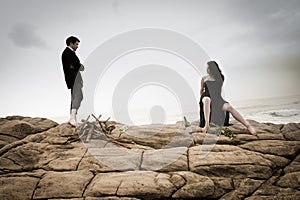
x=256 y=43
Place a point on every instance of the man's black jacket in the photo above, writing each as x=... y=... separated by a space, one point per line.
x=71 y=65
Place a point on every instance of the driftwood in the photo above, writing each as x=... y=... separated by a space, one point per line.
x=98 y=129
x=88 y=130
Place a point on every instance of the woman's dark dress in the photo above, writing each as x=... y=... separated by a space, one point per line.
x=213 y=90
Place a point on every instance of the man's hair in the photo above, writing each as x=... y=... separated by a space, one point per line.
x=71 y=39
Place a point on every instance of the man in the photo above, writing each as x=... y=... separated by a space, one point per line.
x=72 y=67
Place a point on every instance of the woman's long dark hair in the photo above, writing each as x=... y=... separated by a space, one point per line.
x=215 y=71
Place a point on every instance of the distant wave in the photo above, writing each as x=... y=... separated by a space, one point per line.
x=284 y=113
x=277 y=116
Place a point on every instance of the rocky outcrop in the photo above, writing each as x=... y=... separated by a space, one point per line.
x=41 y=159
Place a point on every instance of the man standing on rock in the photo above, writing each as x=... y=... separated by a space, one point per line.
x=72 y=67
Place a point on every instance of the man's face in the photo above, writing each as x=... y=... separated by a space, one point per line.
x=74 y=46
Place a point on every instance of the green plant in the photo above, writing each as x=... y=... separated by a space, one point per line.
x=123 y=129
x=227 y=132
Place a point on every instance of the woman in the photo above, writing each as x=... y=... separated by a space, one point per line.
x=214 y=106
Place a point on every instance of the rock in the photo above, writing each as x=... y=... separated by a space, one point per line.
x=238 y=157
x=243 y=187
x=144 y=184
x=68 y=159
x=40 y=159
x=6 y=139
x=14 y=128
x=237 y=163
x=274 y=192
x=19 y=127
x=275 y=147
x=25 y=155
x=173 y=159
x=42 y=155
x=222 y=186
x=195 y=186
x=93 y=164
x=135 y=183
x=293 y=136
x=246 y=137
x=60 y=135
x=210 y=138
x=294 y=166
x=111 y=198
x=291 y=131
x=270 y=136
x=68 y=199
x=235 y=171
x=63 y=184
x=218 y=148
x=3 y=143
x=177 y=180
x=157 y=136
x=104 y=185
x=278 y=161
x=117 y=158
x=17 y=187
x=260 y=128
x=290 y=180
x=290 y=127
x=8 y=165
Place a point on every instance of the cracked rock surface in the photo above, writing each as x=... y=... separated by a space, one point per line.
x=40 y=159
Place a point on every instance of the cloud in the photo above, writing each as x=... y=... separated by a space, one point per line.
x=269 y=22
x=25 y=36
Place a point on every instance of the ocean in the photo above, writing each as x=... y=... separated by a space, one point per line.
x=278 y=110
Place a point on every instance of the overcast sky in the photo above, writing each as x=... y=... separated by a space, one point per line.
x=256 y=43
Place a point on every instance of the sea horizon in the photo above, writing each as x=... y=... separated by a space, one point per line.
x=277 y=110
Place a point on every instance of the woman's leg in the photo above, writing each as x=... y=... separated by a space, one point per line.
x=206 y=108
x=238 y=117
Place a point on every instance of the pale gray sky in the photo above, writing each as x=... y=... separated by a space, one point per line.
x=257 y=44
